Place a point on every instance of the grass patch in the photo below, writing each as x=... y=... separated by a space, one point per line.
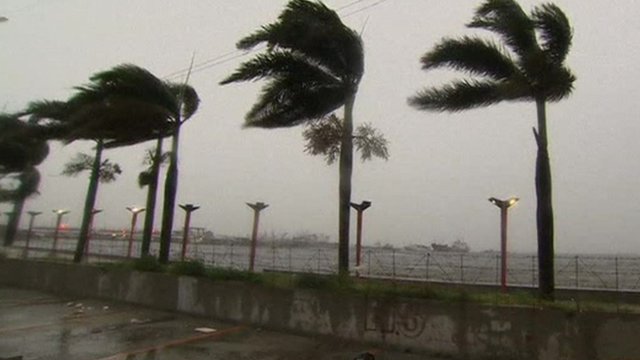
x=219 y=274
x=148 y=263
x=188 y=268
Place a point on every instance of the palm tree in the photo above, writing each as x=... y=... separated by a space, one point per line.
x=530 y=67
x=313 y=64
x=324 y=137
x=188 y=102
x=121 y=106
x=108 y=171
x=20 y=152
x=154 y=159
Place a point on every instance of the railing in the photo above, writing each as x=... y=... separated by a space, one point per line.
x=613 y=273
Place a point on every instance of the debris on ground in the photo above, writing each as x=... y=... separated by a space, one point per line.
x=205 y=330
x=139 y=321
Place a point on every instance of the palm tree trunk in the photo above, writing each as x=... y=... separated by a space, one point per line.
x=89 y=203
x=170 y=190
x=152 y=192
x=14 y=221
x=346 y=170
x=545 y=207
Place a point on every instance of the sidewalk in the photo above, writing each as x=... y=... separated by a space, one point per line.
x=37 y=325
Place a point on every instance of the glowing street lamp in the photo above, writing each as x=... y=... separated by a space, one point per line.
x=504 y=206
x=257 y=207
x=59 y=214
x=134 y=218
x=188 y=209
x=360 y=208
x=32 y=215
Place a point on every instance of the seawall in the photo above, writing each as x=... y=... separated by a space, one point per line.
x=459 y=330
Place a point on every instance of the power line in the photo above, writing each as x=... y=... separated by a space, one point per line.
x=235 y=54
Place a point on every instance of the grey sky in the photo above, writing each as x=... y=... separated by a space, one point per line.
x=443 y=167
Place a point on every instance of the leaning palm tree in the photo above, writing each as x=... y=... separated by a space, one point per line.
x=121 y=106
x=154 y=159
x=20 y=152
x=529 y=68
x=188 y=101
x=313 y=64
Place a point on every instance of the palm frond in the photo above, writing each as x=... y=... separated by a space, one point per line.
x=507 y=19
x=473 y=55
x=467 y=94
x=323 y=137
x=555 y=31
x=278 y=63
x=82 y=162
x=316 y=31
x=287 y=102
x=556 y=83
x=126 y=80
x=188 y=98
x=370 y=142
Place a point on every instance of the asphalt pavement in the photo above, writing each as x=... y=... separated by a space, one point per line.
x=36 y=325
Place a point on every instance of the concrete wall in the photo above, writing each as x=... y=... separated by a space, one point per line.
x=460 y=330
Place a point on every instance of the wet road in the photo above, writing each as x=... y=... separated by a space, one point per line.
x=36 y=325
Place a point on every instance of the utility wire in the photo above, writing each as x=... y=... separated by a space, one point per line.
x=235 y=54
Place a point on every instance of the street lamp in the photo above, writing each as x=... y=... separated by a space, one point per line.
x=257 y=207
x=59 y=214
x=188 y=209
x=504 y=206
x=134 y=218
x=32 y=215
x=360 y=208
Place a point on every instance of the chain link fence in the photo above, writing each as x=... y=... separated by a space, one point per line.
x=613 y=273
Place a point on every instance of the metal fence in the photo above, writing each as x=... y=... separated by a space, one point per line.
x=614 y=273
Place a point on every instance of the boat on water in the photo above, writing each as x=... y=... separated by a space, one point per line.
x=457 y=246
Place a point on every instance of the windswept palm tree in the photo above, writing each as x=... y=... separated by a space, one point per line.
x=20 y=152
x=530 y=67
x=313 y=64
x=188 y=102
x=121 y=106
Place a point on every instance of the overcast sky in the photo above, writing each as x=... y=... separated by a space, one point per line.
x=442 y=169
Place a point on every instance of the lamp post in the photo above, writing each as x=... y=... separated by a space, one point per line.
x=59 y=214
x=134 y=218
x=504 y=206
x=257 y=207
x=94 y=212
x=32 y=218
x=188 y=209
x=360 y=208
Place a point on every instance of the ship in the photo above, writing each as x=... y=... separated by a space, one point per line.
x=457 y=246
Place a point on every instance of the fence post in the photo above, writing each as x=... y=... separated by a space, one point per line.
x=213 y=254
x=427 y=267
x=231 y=257
x=617 y=275
x=497 y=269
x=393 y=259
x=577 y=273
x=533 y=270
x=369 y=262
x=461 y=268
